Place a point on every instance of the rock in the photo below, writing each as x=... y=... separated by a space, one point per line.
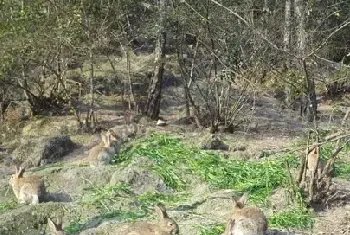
x=140 y=177
x=104 y=228
x=70 y=183
x=45 y=127
x=18 y=111
x=28 y=219
x=42 y=151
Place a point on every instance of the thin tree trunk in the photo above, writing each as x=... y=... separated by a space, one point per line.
x=300 y=27
x=155 y=90
x=311 y=102
x=287 y=24
x=286 y=45
x=90 y=116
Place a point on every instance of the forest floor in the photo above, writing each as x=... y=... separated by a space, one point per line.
x=169 y=165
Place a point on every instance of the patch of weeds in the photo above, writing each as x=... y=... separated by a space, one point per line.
x=108 y=198
x=293 y=160
x=342 y=170
x=297 y=218
x=328 y=149
x=148 y=200
x=104 y=197
x=125 y=215
x=123 y=157
x=7 y=206
x=212 y=230
x=169 y=176
x=75 y=227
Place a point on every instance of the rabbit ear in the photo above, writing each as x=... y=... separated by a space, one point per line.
x=112 y=135
x=244 y=198
x=230 y=224
x=240 y=202
x=104 y=137
x=161 y=211
x=20 y=172
x=52 y=225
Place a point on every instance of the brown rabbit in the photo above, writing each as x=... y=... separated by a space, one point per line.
x=29 y=189
x=166 y=225
x=55 y=228
x=246 y=220
x=103 y=153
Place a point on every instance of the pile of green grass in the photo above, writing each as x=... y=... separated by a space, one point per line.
x=176 y=161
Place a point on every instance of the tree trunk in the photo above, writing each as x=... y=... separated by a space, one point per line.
x=300 y=27
x=311 y=103
x=287 y=24
x=286 y=45
x=155 y=89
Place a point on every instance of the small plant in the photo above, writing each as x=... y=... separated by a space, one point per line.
x=7 y=206
x=75 y=227
x=106 y=196
x=342 y=170
x=217 y=229
x=298 y=218
x=148 y=200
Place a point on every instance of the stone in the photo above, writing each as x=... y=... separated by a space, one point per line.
x=140 y=177
x=43 y=150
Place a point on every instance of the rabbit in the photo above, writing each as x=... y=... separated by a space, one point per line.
x=103 y=153
x=166 y=225
x=246 y=220
x=55 y=228
x=29 y=189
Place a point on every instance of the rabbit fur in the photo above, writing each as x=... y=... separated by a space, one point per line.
x=103 y=153
x=166 y=225
x=55 y=228
x=29 y=189
x=246 y=220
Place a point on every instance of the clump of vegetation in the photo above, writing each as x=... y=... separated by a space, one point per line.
x=7 y=206
x=296 y=217
x=212 y=230
x=108 y=198
x=105 y=196
x=342 y=170
x=174 y=158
